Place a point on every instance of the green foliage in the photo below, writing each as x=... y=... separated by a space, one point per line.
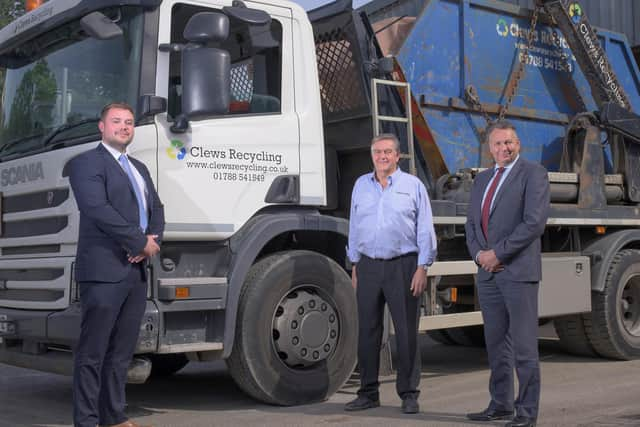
x=10 y=10
x=32 y=107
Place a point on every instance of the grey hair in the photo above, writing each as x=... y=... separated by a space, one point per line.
x=385 y=136
x=500 y=124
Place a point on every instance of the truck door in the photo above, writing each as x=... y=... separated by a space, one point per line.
x=215 y=176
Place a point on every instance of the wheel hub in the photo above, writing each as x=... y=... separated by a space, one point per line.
x=305 y=328
x=630 y=306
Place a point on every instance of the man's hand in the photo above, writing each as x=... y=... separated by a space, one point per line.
x=150 y=249
x=354 y=277
x=489 y=262
x=419 y=281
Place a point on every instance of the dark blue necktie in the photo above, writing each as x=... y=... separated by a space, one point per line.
x=141 y=209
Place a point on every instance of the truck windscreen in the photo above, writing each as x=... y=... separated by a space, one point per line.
x=57 y=84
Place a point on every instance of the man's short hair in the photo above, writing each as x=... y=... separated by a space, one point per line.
x=500 y=124
x=116 y=105
x=389 y=136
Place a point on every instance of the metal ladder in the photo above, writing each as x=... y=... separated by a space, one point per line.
x=377 y=118
x=386 y=364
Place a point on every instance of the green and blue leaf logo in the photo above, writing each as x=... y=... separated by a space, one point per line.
x=177 y=150
x=502 y=28
x=575 y=12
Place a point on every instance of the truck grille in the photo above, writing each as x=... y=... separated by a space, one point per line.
x=34 y=227
x=33 y=201
x=38 y=246
x=38 y=283
x=38 y=223
x=38 y=238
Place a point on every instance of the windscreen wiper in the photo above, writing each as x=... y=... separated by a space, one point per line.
x=66 y=127
x=17 y=141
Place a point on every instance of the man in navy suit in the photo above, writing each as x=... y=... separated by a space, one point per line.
x=507 y=214
x=121 y=221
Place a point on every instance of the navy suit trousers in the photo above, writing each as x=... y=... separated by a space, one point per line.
x=111 y=316
x=510 y=312
x=389 y=281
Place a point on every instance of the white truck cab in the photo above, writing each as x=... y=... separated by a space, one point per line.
x=229 y=123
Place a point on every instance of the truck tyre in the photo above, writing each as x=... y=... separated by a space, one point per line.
x=164 y=365
x=297 y=329
x=468 y=336
x=573 y=336
x=613 y=326
x=441 y=336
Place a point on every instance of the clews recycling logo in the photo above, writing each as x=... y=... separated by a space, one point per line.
x=502 y=28
x=575 y=12
x=177 y=150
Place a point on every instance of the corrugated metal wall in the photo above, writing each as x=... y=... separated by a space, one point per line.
x=622 y=16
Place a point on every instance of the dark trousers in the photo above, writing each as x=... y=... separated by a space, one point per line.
x=389 y=281
x=111 y=316
x=510 y=312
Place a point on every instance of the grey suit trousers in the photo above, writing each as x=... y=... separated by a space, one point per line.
x=510 y=312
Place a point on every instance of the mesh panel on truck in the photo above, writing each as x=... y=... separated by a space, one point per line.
x=242 y=81
x=342 y=88
x=339 y=78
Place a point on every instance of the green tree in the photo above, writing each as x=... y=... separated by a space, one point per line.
x=32 y=107
x=10 y=10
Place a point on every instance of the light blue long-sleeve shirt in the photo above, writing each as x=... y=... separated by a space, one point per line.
x=392 y=221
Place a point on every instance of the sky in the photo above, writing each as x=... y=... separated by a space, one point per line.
x=312 y=4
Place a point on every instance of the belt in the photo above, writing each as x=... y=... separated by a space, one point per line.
x=391 y=259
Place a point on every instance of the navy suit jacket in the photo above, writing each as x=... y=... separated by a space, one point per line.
x=516 y=221
x=109 y=219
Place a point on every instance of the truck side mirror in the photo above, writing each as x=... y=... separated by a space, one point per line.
x=206 y=71
x=240 y=12
x=100 y=27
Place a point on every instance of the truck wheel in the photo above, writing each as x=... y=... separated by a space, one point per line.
x=163 y=365
x=297 y=329
x=572 y=334
x=441 y=336
x=613 y=326
x=468 y=336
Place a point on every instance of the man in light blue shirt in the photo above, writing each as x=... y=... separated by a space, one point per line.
x=392 y=242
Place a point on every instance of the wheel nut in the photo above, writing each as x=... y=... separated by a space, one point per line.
x=312 y=303
x=300 y=310
x=294 y=324
x=323 y=307
x=332 y=318
x=295 y=340
x=332 y=334
x=303 y=352
x=316 y=354
x=327 y=347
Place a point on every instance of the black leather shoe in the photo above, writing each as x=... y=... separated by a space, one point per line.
x=490 y=415
x=410 y=406
x=361 y=403
x=521 y=421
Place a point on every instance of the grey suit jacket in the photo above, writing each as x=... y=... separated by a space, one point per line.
x=516 y=222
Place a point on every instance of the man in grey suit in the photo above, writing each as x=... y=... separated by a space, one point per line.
x=507 y=214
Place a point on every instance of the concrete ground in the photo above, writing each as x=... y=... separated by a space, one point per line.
x=575 y=392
